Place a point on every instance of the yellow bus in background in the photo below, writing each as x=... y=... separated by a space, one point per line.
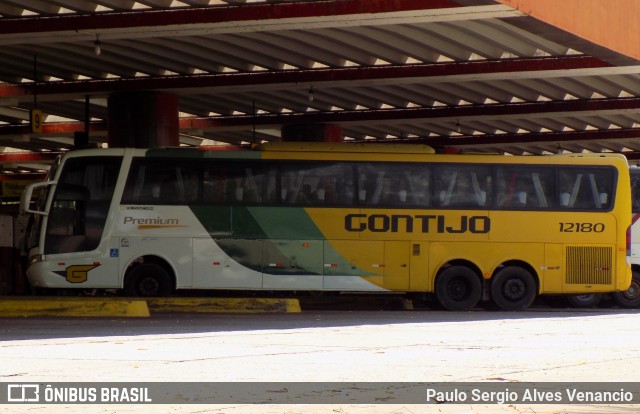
x=629 y=298
x=333 y=217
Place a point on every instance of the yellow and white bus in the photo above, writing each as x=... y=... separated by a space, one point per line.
x=333 y=218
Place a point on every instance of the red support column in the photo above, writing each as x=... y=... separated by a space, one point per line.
x=143 y=120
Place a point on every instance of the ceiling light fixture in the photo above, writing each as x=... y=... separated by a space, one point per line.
x=97 y=49
x=310 y=97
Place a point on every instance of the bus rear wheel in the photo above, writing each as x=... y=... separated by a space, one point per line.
x=148 y=280
x=513 y=288
x=458 y=288
x=630 y=298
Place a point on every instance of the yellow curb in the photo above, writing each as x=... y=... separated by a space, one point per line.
x=229 y=305
x=73 y=306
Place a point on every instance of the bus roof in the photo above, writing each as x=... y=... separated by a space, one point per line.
x=346 y=151
x=345 y=147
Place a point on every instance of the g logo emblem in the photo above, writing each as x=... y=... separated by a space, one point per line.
x=78 y=273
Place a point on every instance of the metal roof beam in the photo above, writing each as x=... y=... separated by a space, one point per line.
x=388 y=117
x=37 y=6
x=366 y=76
x=461 y=113
x=529 y=138
x=20 y=157
x=244 y=18
x=8 y=10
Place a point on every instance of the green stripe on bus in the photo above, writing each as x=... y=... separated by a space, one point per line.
x=257 y=222
x=271 y=225
x=291 y=223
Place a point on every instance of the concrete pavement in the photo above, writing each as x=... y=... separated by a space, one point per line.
x=333 y=346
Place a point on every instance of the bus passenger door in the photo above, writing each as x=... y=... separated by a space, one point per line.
x=396 y=265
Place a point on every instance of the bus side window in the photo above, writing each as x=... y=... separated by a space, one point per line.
x=585 y=188
x=189 y=183
x=339 y=184
x=462 y=186
x=520 y=188
x=417 y=182
x=397 y=185
x=255 y=184
x=364 y=187
x=542 y=187
x=292 y=184
x=150 y=182
x=599 y=192
x=371 y=183
x=315 y=184
x=219 y=183
x=383 y=184
x=635 y=189
x=209 y=193
x=168 y=191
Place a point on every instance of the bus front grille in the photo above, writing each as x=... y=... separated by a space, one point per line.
x=589 y=265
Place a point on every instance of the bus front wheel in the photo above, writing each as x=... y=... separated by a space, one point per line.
x=630 y=298
x=148 y=280
x=458 y=288
x=513 y=288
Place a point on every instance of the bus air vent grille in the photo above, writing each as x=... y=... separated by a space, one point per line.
x=589 y=265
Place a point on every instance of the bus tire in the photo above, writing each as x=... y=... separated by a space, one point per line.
x=630 y=298
x=458 y=288
x=513 y=288
x=148 y=280
x=590 y=300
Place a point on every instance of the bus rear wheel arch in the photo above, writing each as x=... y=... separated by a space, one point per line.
x=513 y=288
x=630 y=298
x=149 y=279
x=458 y=288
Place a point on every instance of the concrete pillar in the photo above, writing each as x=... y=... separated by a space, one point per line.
x=143 y=120
x=311 y=133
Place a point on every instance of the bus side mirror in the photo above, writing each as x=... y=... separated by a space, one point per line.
x=25 y=200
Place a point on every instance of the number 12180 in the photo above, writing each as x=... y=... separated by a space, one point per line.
x=569 y=227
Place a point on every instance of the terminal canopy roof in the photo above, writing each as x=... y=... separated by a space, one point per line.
x=476 y=75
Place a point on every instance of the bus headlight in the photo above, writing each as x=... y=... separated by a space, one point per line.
x=36 y=258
